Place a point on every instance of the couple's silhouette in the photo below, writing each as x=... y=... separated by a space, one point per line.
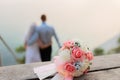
x=38 y=42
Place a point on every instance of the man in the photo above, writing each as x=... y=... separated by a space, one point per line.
x=45 y=33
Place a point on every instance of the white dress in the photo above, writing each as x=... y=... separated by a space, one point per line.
x=32 y=51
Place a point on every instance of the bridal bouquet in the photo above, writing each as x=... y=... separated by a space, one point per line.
x=73 y=60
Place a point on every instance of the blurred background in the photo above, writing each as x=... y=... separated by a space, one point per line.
x=96 y=22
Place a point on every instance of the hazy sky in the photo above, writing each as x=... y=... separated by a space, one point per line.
x=93 y=21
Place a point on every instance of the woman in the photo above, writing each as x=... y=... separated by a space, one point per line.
x=32 y=51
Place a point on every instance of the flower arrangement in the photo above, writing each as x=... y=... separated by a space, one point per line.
x=73 y=60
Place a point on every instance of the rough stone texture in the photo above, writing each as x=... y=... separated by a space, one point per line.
x=112 y=74
x=19 y=72
x=106 y=61
x=103 y=68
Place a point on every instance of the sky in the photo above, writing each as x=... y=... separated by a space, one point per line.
x=93 y=21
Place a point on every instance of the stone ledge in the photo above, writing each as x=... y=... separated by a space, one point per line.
x=99 y=69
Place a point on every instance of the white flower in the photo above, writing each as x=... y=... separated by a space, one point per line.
x=84 y=47
x=65 y=55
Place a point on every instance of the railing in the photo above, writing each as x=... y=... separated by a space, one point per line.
x=105 y=67
x=10 y=50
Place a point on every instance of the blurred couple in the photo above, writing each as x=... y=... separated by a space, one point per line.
x=38 y=42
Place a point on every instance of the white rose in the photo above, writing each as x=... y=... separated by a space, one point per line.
x=65 y=55
x=84 y=47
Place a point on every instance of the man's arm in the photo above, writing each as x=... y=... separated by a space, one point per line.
x=33 y=38
x=43 y=46
x=55 y=35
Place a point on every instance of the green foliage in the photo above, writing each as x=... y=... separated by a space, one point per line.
x=20 y=49
x=98 y=51
x=117 y=50
x=119 y=40
x=21 y=60
x=114 y=50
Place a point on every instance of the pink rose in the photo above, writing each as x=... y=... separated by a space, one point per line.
x=77 y=53
x=89 y=56
x=68 y=44
x=69 y=67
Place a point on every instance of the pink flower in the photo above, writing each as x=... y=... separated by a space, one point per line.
x=69 y=78
x=89 y=56
x=77 y=53
x=68 y=44
x=69 y=67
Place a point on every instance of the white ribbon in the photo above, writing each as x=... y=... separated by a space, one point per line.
x=45 y=71
x=58 y=77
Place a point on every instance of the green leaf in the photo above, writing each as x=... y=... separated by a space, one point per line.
x=20 y=49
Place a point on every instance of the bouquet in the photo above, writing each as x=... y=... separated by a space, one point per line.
x=73 y=60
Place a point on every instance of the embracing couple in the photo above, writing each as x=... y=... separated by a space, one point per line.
x=38 y=42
